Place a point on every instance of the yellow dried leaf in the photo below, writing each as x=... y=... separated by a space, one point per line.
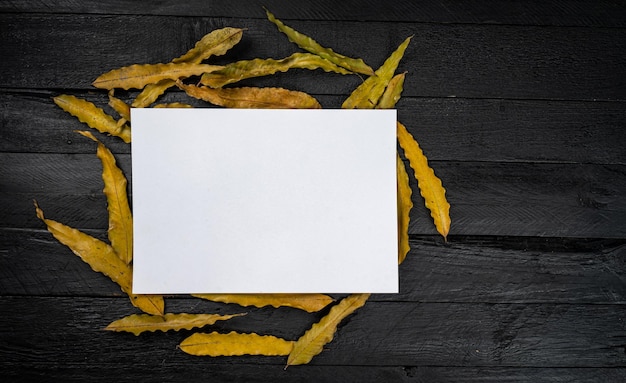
x=173 y=105
x=122 y=108
x=102 y=258
x=404 y=209
x=93 y=116
x=429 y=184
x=366 y=95
x=392 y=93
x=310 y=45
x=235 y=344
x=241 y=70
x=307 y=302
x=138 y=323
x=268 y=98
x=215 y=43
x=120 y=218
x=140 y=75
x=321 y=333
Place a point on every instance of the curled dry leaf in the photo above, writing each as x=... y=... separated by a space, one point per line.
x=103 y=259
x=215 y=43
x=262 y=98
x=93 y=116
x=307 y=302
x=120 y=217
x=139 y=75
x=310 y=45
x=321 y=333
x=404 y=209
x=366 y=95
x=235 y=344
x=138 y=323
x=428 y=183
x=241 y=70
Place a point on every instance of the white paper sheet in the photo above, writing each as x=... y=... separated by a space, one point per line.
x=264 y=201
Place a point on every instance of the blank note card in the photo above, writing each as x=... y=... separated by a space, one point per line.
x=264 y=201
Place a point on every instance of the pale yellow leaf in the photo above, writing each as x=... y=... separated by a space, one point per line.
x=307 y=302
x=429 y=184
x=138 y=323
x=267 y=98
x=102 y=258
x=321 y=333
x=139 y=75
x=93 y=116
x=366 y=95
x=120 y=218
x=235 y=344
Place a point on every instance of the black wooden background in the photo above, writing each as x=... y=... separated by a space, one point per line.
x=520 y=106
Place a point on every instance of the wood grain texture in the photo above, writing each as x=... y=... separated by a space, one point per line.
x=448 y=129
x=505 y=61
x=530 y=12
x=381 y=334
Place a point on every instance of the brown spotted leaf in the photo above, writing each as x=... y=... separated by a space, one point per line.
x=235 y=344
x=138 y=323
x=93 y=116
x=253 y=98
x=102 y=258
x=321 y=333
x=429 y=184
x=307 y=302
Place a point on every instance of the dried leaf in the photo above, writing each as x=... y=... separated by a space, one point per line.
x=241 y=70
x=139 y=75
x=235 y=344
x=366 y=95
x=93 y=116
x=138 y=323
x=392 y=93
x=307 y=302
x=215 y=43
x=321 y=333
x=429 y=184
x=310 y=45
x=120 y=218
x=122 y=108
x=268 y=98
x=404 y=209
x=173 y=105
x=103 y=259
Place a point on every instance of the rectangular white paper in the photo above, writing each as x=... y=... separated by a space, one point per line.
x=264 y=201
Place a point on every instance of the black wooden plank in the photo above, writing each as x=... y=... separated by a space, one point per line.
x=260 y=374
x=50 y=332
x=447 y=129
x=483 y=270
x=445 y=60
x=554 y=12
x=519 y=199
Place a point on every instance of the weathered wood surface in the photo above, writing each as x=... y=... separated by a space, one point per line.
x=520 y=106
